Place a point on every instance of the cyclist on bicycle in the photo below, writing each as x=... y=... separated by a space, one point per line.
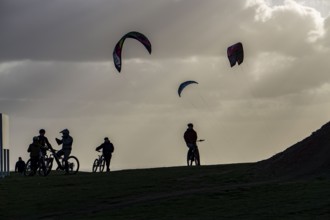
x=108 y=149
x=190 y=137
x=66 y=142
x=35 y=155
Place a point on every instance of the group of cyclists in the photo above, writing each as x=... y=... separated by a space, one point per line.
x=40 y=161
x=40 y=145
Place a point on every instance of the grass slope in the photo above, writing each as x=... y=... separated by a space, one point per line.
x=231 y=191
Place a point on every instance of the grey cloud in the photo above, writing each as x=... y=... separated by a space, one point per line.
x=287 y=26
x=306 y=72
x=87 y=31
x=65 y=77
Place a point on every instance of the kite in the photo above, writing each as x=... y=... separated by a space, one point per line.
x=235 y=54
x=184 y=84
x=119 y=46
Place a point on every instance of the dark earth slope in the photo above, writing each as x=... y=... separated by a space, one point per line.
x=309 y=157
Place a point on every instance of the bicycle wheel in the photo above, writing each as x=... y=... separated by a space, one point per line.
x=49 y=164
x=196 y=157
x=95 y=165
x=42 y=170
x=189 y=159
x=48 y=167
x=102 y=164
x=73 y=164
x=28 y=169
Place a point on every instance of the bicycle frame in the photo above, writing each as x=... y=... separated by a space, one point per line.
x=99 y=163
x=57 y=158
x=70 y=165
x=193 y=155
x=101 y=158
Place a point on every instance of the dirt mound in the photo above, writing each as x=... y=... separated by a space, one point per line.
x=309 y=157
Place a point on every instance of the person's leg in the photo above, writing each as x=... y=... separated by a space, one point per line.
x=66 y=156
x=34 y=165
x=189 y=157
x=43 y=165
x=190 y=152
x=197 y=156
x=107 y=157
x=59 y=155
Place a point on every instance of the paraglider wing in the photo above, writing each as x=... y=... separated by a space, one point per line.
x=119 y=46
x=235 y=54
x=184 y=84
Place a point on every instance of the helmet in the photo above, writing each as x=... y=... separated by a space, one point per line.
x=42 y=131
x=35 y=138
x=65 y=131
x=106 y=138
x=190 y=125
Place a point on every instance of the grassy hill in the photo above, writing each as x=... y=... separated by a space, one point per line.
x=233 y=191
x=293 y=184
x=308 y=157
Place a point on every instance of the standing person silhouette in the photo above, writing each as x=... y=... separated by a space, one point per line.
x=107 y=151
x=43 y=140
x=20 y=166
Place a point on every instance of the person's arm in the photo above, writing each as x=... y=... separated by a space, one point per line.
x=185 y=137
x=58 y=141
x=48 y=144
x=99 y=147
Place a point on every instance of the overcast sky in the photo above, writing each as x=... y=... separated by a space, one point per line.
x=57 y=72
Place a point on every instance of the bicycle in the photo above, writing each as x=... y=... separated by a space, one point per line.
x=71 y=166
x=99 y=163
x=193 y=155
x=42 y=167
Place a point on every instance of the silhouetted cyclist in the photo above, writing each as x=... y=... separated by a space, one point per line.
x=190 y=137
x=66 y=142
x=35 y=155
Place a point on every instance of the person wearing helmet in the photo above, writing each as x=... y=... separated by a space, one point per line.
x=190 y=137
x=107 y=150
x=43 y=141
x=35 y=152
x=66 y=142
